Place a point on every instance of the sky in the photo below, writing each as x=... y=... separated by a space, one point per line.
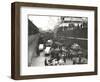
x=44 y=22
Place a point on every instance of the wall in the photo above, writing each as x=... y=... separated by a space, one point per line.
x=5 y=40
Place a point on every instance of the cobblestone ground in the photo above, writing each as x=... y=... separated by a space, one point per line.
x=69 y=62
x=38 y=61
